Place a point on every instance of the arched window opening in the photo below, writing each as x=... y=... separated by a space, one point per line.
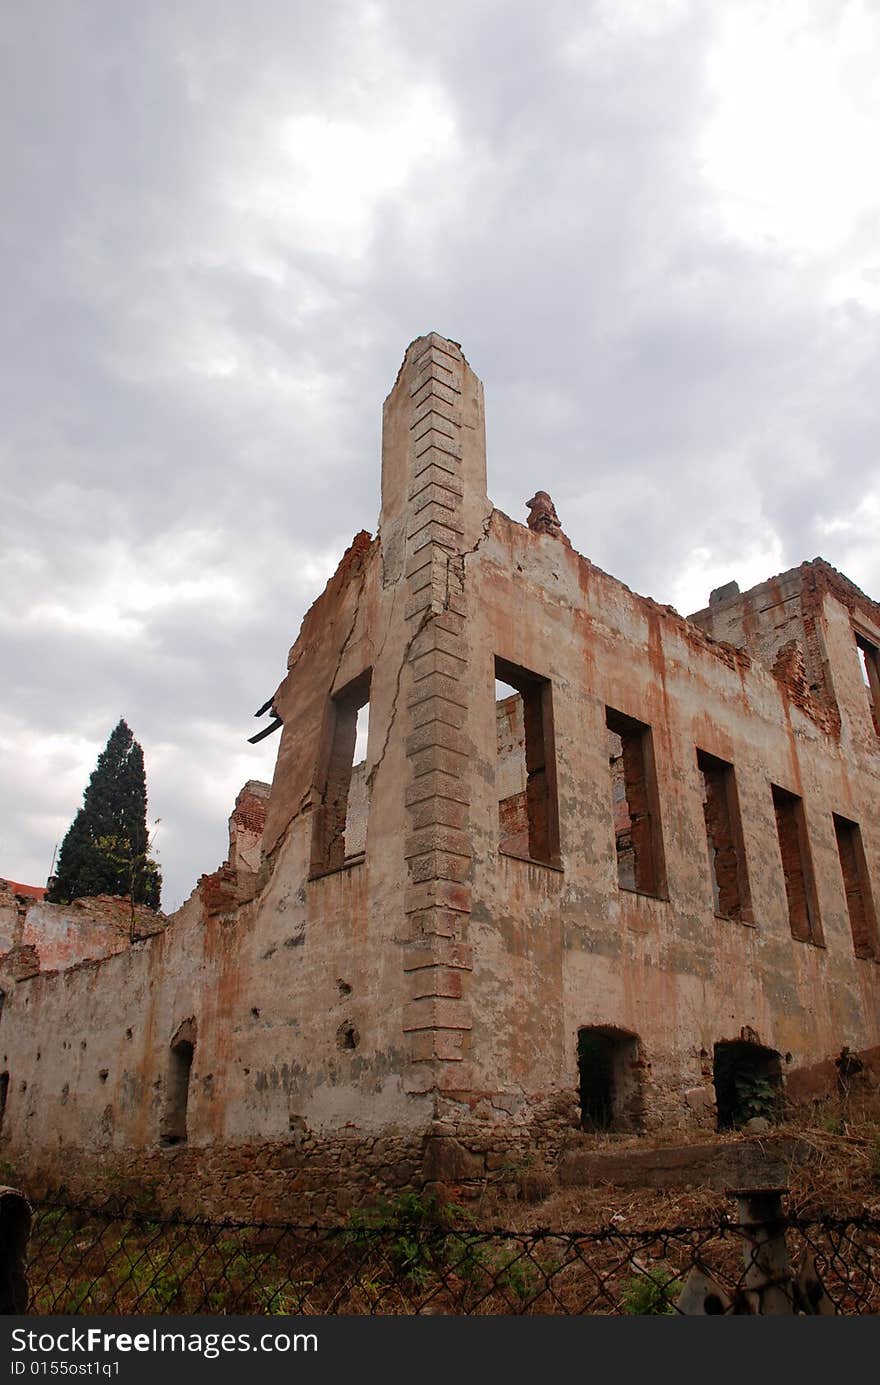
x=180 y=1057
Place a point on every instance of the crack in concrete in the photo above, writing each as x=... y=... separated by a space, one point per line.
x=460 y=559
x=429 y=614
x=487 y=524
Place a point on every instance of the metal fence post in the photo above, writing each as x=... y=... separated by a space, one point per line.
x=767 y=1281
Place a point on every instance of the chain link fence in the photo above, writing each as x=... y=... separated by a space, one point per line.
x=409 y=1258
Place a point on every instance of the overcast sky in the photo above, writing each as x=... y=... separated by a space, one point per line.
x=654 y=226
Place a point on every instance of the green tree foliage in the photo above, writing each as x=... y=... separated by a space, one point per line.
x=106 y=850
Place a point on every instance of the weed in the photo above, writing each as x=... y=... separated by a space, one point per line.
x=164 y=1289
x=80 y=1300
x=514 y=1168
x=755 y=1096
x=648 y=1293
x=513 y=1271
x=284 y=1298
x=411 y=1229
x=832 y=1123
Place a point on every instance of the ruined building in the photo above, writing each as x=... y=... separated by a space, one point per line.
x=592 y=897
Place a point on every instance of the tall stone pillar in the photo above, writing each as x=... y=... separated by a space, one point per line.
x=434 y=512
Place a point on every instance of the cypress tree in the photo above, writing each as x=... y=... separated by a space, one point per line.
x=106 y=849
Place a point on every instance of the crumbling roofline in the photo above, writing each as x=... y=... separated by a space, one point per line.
x=831 y=578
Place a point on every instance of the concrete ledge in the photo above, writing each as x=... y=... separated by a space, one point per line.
x=752 y=1162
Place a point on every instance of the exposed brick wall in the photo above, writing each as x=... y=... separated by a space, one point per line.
x=636 y=828
x=513 y=824
x=218 y=891
x=543 y=832
x=722 y=836
x=249 y=813
x=780 y=621
x=803 y=910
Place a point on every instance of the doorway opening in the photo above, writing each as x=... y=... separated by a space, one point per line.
x=609 y=1079
x=748 y=1083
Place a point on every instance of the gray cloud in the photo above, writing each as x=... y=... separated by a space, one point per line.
x=228 y=222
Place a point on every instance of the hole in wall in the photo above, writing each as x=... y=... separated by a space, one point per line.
x=609 y=1079
x=849 y=1066
x=347 y=1036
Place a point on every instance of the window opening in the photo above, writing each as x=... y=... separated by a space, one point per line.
x=727 y=863
x=609 y=1085
x=180 y=1058
x=635 y=804
x=4 y=1092
x=748 y=1083
x=869 y=658
x=525 y=765
x=856 y=883
x=340 y=822
x=797 y=867
x=358 y=798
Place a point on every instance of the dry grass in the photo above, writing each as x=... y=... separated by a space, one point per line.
x=841 y=1178
x=81 y=1263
